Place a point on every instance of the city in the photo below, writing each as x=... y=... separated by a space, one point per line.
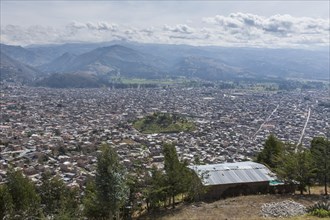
x=61 y=130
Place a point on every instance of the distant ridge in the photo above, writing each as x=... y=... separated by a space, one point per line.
x=14 y=71
x=109 y=62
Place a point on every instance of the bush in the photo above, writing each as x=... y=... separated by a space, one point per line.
x=320 y=213
x=320 y=209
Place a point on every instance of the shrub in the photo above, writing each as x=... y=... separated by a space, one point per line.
x=320 y=213
x=320 y=209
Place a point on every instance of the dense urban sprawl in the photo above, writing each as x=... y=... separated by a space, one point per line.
x=60 y=130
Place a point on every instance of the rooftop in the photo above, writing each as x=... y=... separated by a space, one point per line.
x=230 y=173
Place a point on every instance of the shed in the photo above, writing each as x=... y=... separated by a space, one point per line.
x=230 y=179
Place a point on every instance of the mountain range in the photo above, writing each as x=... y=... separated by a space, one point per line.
x=99 y=64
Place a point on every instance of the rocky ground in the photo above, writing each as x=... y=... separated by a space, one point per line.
x=286 y=208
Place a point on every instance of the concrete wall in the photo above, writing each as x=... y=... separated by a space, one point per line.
x=228 y=190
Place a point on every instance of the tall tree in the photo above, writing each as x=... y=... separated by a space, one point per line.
x=26 y=201
x=57 y=198
x=110 y=185
x=156 y=189
x=272 y=150
x=172 y=168
x=297 y=166
x=50 y=191
x=320 y=149
x=178 y=176
x=6 y=202
x=92 y=209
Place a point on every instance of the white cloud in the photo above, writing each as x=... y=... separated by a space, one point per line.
x=180 y=28
x=99 y=26
x=236 y=29
x=277 y=24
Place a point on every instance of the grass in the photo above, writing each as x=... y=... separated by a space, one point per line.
x=149 y=81
x=237 y=208
x=163 y=123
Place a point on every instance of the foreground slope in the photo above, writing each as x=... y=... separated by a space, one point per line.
x=238 y=208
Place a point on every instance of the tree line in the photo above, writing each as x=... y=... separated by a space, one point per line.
x=304 y=166
x=113 y=193
x=117 y=193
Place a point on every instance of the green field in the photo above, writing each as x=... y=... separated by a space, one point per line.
x=163 y=123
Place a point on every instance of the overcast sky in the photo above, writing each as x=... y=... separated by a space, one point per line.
x=302 y=24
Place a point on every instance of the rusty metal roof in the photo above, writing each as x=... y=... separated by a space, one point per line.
x=230 y=173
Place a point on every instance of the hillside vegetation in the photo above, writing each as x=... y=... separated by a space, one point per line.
x=163 y=123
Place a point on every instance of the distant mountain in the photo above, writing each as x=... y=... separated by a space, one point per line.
x=59 y=64
x=101 y=63
x=285 y=63
x=208 y=69
x=53 y=51
x=14 y=71
x=113 y=60
x=22 y=55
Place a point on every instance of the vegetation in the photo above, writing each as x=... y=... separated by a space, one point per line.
x=177 y=179
x=57 y=199
x=320 y=209
x=163 y=123
x=303 y=165
x=115 y=193
x=108 y=193
x=320 y=149
x=273 y=148
x=24 y=198
x=297 y=166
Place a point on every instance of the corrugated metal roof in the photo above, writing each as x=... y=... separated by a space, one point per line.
x=229 y=173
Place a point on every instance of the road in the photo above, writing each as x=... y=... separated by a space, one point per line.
x=303 y=131
x=266 y=120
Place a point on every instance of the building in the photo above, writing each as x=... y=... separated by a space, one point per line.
x=230 y=179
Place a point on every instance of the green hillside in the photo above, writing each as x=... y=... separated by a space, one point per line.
x=163 y=123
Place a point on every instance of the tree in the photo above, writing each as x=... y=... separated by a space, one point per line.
x=297 y=166
x=50 y=191
x=91 y=208
x=110 y=186
x=136 y=181
x=57 y=198
x=178 y=176
x=320 y=149
x=26 y=201
x=156 y=189
x=172 y=168
x=273 y=148
x=69 y=204
x=195 y=187
x=6 y=202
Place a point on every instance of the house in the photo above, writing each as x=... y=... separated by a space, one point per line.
x=230 y=179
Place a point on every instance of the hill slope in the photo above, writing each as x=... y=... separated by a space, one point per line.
x=163 y=123
x=108 y=62
x=14 y=71
x=22 y=55
x=238 y=208
x=116 y=60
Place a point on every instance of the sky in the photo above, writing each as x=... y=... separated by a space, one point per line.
x=292 y=24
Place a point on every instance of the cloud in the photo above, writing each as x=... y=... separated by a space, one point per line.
x=236 y=29
x=180 y=28
x=99 y=26
x=277 y=24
